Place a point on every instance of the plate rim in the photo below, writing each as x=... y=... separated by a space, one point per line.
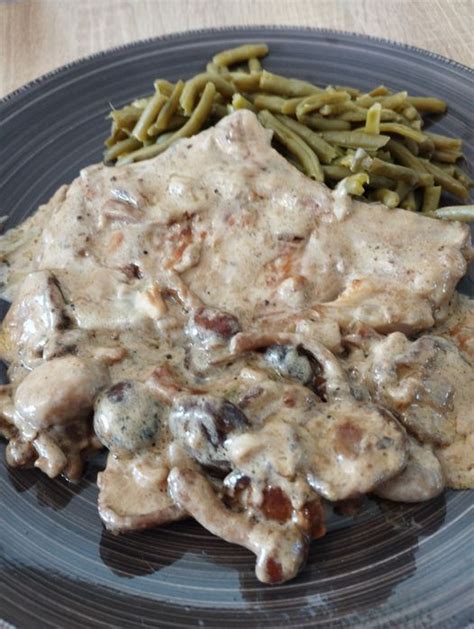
x=359 y=37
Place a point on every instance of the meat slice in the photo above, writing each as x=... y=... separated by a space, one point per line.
x=133 y=493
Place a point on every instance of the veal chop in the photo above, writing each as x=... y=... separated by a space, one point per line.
x=217 y=321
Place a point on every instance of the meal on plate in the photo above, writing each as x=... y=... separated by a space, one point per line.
x=248 y=344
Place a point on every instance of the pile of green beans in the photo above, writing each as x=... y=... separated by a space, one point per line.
x=331 y=134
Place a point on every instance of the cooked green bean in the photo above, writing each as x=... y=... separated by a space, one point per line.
x=168 y=110
x=316 y=101
x=163 y=86
x=450 y=157
x=233 y=56
x=405 y=157
x=195 y=85
x=372 y=121
x=404 y=130
x=410 y=202
x=443 y=143
x=192 y=126
x=356 y=139
x=462 y=177
x=290 y=105
x=267 y=101
x=125 y=146
x=448 y=183
x=380 y=90
x=290 y=88
x=294 y=144
x=320 y=123
x=254 y=65
x=427 y=105
x=240 y=102
x=431 y=197
x=331 y=133
x=385 y=196
x=464 y=213
x=325 y=152
x=244 y=82
x=393 y=171
x=148 y=116
x=402 y=189
x=336 y=173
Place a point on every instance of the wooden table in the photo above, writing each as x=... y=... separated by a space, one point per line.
x=39 y=35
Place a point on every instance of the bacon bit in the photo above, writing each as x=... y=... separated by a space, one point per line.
x=276 y=505
x=221 y=323
x=289 y=401
x=184 y=238
x=279 y=269
x=152 y=303
x=116 y=240
x=274 y=570
x=164 y=382
x=313 y=514
x=348 y=437
x=230 y=220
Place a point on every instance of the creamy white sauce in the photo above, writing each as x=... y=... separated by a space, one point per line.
x=144 y=301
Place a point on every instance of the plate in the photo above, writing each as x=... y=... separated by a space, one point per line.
x=392 y=565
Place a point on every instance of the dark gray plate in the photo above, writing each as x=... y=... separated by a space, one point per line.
x=398 y=566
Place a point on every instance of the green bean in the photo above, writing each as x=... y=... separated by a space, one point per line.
x=462 y=177
x=192 y=126
x=149 y=114
x=325 y=152
x=402 y=189
x=219 y=111
x=267 y=101
x=168 y=110
x=393 y=171
x=410 y=113
x=163 y=86
x=427 y=105
x=316 y=101
x=254 y=65
x=450 y=157
x=320 y=123
x=393 y=101
x=240 y=102
x=353 y=184
x=464 y=213
x=412 y=146
x=448 y=168
x=212 y=68
x=336 y=173
x=339 y=109
x=125 y=146
x=405 y=157
x=294 y=144
x=404 y=130
x=450 y=184
x=372 y=122
x=356 y=139
x=283 y=86
x=380 y=90
x=195 y=85
x=141 y=103
x=385 y=196
x=431 y=197
x=241 y=53
x=289 y=105
x=444 y=143
x=126 y=117
x=163 y=137
x=352 y=91
x=245 y=82
x=379 y=181
x=410 y=202
x=116 y=135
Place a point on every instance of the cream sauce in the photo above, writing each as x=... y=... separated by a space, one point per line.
x=212 y=319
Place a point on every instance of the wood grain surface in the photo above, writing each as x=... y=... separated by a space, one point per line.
x=39 y=35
